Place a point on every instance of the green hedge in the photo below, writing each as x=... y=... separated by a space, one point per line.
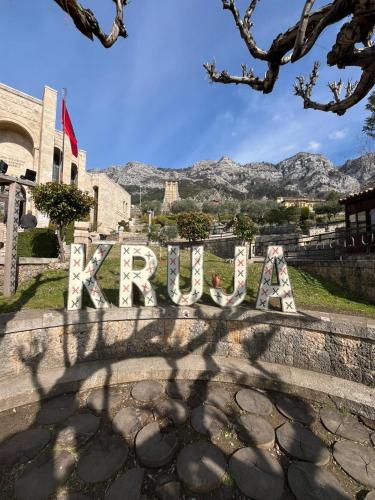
x=38 y=242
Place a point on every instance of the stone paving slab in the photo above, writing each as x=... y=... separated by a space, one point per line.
x=255 y=431
x=315 y=483
x=42 y=478
x=103 y=457
x=174 y=410
x=209 y=420
x=299 y=442
x=57 y=409
x=257 y=473
x=147 y=391
x=103 y=399
x=130 y=420
x=201 y=466
x=155 y=448
x=23 y=446
x=128 y=486
x=296 y=409
x=358 y=461
x=346 y=426
x=254 y=402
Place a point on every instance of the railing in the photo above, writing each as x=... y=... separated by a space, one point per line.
x=333 y=245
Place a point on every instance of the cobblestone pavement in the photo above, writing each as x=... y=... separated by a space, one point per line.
x=184 y=440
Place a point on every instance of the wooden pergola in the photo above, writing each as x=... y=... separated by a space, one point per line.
x=14 y=200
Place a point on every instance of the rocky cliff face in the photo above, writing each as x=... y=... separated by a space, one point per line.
x=362 y=169
x=302 y=174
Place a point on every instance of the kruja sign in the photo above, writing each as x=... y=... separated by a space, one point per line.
x=83 y=276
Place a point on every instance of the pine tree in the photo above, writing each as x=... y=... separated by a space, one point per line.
x=369 y=126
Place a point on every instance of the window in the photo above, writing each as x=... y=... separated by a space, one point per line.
x=353 y=221
x=57 y=156
x=74 y=174
x=372 y=218
x=361 y=217
x=96 y=197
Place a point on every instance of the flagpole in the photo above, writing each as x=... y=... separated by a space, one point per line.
x=61 y=180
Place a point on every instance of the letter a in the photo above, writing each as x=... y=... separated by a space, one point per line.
x=196 y=290
x=140 y=277
x=282 y=290
x=79 y=277
x=240 y=274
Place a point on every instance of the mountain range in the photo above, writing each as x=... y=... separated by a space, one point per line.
x=304 y=174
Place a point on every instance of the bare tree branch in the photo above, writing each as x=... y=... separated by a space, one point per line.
x=354 y=92
x=244 y=27
x=264 y=85
x=86 y=22
x=297 y=41
x=301 y=33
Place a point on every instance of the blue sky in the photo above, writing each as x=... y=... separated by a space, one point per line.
x=148 y=99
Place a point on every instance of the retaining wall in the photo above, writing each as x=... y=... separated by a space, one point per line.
x=31 y=267
x=35 y=343
x=356 y=276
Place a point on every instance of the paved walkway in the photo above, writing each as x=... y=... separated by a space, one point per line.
x=184 y=440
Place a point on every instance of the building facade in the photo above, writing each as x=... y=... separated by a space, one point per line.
x=29 y=139
x=360 y=220
x=299 y=202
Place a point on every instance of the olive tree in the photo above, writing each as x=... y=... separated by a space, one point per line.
x=63 y=204
x=194 y=226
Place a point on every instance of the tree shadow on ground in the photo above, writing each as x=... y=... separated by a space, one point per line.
x=98 y=361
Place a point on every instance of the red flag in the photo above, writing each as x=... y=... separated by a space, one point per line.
x=68 y=129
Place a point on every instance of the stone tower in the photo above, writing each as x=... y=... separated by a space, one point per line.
x=170 y=195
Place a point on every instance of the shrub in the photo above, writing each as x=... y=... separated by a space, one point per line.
x=64 y=204
x=167 y=233
x=183 y=206
x=244 y=228
x=165 y=220
x=38 y=242
x=194 y=226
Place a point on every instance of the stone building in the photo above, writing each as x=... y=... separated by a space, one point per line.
x=170 y=195
x=300 y=202
x=29 y=139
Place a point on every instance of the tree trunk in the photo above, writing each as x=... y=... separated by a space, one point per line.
x=60 y=239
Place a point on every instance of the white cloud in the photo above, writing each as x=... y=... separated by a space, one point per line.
x=314 y=146
x=338 y=135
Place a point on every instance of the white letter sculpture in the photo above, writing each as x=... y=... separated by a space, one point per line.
x=79 y=277
x=174 y=291
x=282 y=290
x=140 y=277
x=240 y=274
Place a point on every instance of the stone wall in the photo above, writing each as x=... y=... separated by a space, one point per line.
x=339 y=346
x=356 y=276
x=29 y=139
x=29 y=268
x=222 y=247
x=114 y=202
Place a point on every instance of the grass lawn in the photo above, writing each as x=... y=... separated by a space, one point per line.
x=49 y=289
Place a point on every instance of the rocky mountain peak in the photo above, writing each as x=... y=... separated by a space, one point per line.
x=304 y=173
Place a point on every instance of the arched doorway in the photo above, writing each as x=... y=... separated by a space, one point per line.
x=16 y=148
